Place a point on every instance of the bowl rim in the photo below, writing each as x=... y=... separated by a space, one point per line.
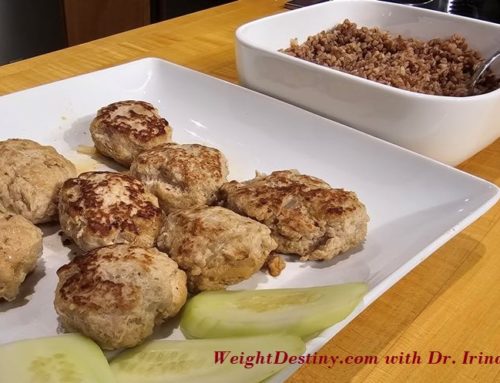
x=329 y=71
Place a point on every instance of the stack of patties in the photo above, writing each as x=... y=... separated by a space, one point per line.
x=117 y=291
x=211 y=233
x=31 y=177
x=120 y=287
x=214 y=246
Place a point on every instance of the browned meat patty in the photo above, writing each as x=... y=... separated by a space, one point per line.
x=124 y=129
x=30 y=178
x=215 y=246
x=306 y=216
x=115 y=295
x=181 y=176
x=103 y=208
x=20 y=248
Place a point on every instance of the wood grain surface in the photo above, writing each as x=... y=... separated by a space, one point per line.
x=450 y=303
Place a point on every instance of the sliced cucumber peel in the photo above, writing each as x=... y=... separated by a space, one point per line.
x=242 y=360
x=296 y=311
x=69 y=358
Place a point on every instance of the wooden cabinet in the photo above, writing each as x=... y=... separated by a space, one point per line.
x=88 y=20
x=167 y=9
x=92 y=19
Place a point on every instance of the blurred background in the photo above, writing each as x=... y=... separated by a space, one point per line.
x=32 y=27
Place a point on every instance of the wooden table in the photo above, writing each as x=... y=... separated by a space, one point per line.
x=450 y=303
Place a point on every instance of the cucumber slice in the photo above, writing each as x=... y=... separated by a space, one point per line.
x=302 y=311
x=70 y=358
x=249 y=359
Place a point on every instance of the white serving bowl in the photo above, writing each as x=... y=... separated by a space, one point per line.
x=449 y=129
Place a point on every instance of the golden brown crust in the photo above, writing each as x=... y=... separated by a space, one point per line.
x=306 y=216
x=116 y=294
x=123 y=129
x=104 y=208
x=30 y=178
x=215 y=246
x=139 y=119
x=181 y=176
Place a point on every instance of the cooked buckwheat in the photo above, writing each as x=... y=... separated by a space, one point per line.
x=439 y=67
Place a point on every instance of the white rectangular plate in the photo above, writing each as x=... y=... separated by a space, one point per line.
x=415 y=204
